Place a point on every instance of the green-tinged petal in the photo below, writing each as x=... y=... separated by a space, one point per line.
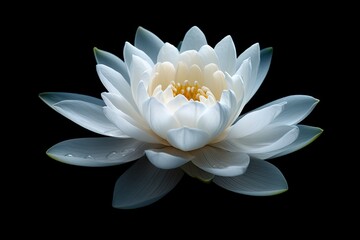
x=143 y=184
x=187 y=139
x=89 y=116
x=51 y=98
x=168 y=157
x=260 y=179
x=219 y=162
x=194 y=39
x=297 y=108
x=148 y=42
x=110 y=60
x=98 y=152
x=195 y=172
x=226 y=52
x=307 y=134
x=265 y=60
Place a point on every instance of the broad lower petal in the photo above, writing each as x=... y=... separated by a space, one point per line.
x=98 y=152
x=260 y=179
x=221 y=163
x=143 y=184
x=168 y=158
x=195 y=172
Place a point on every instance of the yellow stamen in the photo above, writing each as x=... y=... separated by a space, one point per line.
x=191 y=92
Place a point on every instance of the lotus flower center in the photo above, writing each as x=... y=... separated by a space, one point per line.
x=190 y=91
x=203 y=83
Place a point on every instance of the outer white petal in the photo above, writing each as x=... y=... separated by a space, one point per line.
x=130 y=51
x=193 y=171
x=168 y=53
x=158 y=117
x=194 y=39
x=112 y=61
x=254 y=121
x=297 y=108
x=89 y=116
x=226 y=52
x=130 y=129
x=208 y=55
x=97 y=152
x=139 y=70
x=268 y=139
x=188 y=114
x=260 y=179
x=168 y=158
x=214 y=120
x=307 y=134
x=148 y=42
x=252 y=82
x=265 y=60
x=187 y=139
x=221 y=163
x=51 y=98
x=143 y=184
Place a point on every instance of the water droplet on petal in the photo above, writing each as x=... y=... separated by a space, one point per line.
x=127 y=151
x=112 y=156
x=68 y=155
x=89 y=157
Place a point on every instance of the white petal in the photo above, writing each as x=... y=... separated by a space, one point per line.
x=143 y=184
x=226 y=52
x=187 y=139
x=168 y=158
x=114 y=82
x=193 y=171
x=214 y=120
x=130 y=51
x=158 y=117
x=307 y=135
x=139 y=71
x=111 y=61
x=208 y=55
x=194 y=39
x=131 y=130
x=268 y=139
x=188 y=114
x=51 y=98
x=148 y=42
x=265 y=60
x=260 y=179
x=297 y=108
x=97 y=152
x=177 y=102
x=118 y=102
x=229 y=102
x=255 y=121
x=89 y=116
x=221 y=163
x=252 y=83
x=168 y=53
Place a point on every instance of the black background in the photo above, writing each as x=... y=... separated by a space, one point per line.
x=59 y=49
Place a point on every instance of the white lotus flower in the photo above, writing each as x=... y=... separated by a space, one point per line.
x=180 y=110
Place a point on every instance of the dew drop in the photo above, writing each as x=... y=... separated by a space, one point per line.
x=112 y=155
x=89 y=157
x=127 y=151
x=68 y=155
